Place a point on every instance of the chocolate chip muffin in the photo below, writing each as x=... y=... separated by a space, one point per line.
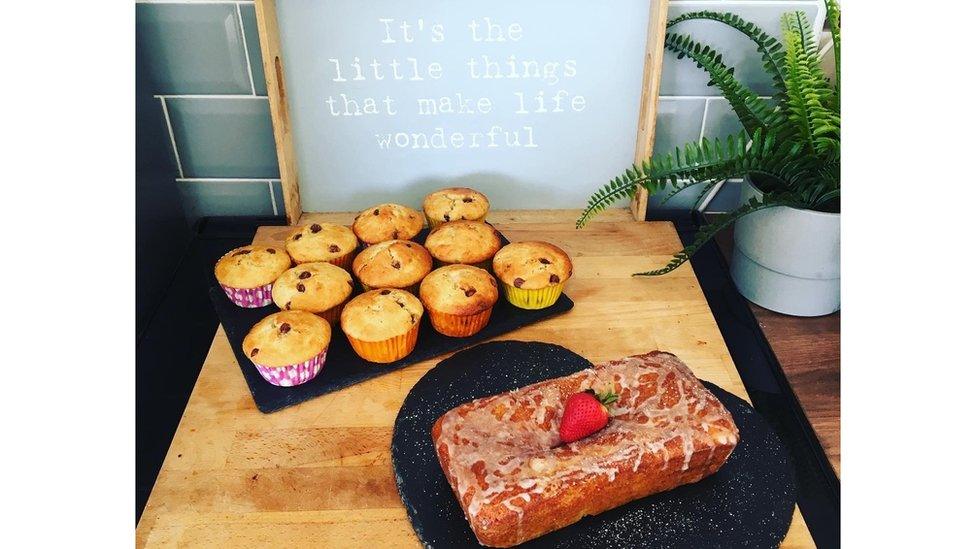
x=319 y=288
x=532 y=273
x=382 y=325
x=467 y=242
x=455 y=204
x=288 y=348
x=392 y=264
x=459 y=299
x=247 y=273
x=334 y=244
x=387 y=222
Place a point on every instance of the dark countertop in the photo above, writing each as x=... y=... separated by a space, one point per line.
x=808 y=349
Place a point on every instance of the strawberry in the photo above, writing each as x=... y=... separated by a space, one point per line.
x=585 y=414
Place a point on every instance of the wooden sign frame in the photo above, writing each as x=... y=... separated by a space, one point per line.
x=267 y=19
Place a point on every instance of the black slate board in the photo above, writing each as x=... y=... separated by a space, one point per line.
x=747 y=503
x=343 y=367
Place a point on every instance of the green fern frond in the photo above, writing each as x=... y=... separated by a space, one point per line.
x=797 y=27
x=709 y=161
x=773 y=56
x=833 y=21
x=707 y=232
x=687 y=185
x=624 y=186
x=795 y=144
x=752 y=111
x=809 y=96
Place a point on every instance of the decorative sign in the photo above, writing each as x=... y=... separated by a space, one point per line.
x=534 y=103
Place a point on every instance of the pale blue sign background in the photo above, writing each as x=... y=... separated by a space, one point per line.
x=349 y=162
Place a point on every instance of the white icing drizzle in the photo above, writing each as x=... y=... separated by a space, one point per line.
x=503 y=449
x=518 y=510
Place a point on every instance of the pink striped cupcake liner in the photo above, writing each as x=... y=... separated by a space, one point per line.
x=295 y=374
x=249 y=298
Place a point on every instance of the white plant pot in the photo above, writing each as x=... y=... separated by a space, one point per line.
x=787 y=260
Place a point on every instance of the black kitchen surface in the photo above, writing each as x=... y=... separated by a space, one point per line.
x=175 y=338
x=818 y=487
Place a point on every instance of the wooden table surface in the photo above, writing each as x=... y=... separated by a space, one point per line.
x=319 y=474
x=808 y=349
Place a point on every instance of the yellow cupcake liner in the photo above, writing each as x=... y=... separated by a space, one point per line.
x=459 y=325
x=434 y=223
x=413 y=288
x=532 y=299
x=388 y=350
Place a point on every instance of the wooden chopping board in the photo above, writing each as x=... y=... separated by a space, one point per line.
x=319 y=474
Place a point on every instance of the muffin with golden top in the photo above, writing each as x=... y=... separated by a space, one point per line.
x=288 y=348
x=382 y=325
x=459 y=299
x=387 y=222
x=327 y=242
x=455 y=204
x=467 y=242
x=320 y=288
x=247 y=273
x=392 y=264
x=532 y=273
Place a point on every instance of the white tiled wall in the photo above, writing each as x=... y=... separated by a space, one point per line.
x=204 y=59
x=691 y=110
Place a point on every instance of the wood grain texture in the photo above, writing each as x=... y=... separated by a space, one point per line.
x=274 y=75
x=808 y=349
x=319 y=474
x=657 y=21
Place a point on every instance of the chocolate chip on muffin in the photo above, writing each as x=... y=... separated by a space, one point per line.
x=532 y=273
x=467 y=242
x=392 y=264
x=459 y=299
x=532 y=265
x=246 y=274
x=387 y=222
x=284 y=346
x=454 y=204
x=326 y=242
x=320 y=288
x=382 y=325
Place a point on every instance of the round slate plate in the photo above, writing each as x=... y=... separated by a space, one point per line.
x=748 y=503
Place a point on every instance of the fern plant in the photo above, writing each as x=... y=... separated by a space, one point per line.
x=789 y=146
